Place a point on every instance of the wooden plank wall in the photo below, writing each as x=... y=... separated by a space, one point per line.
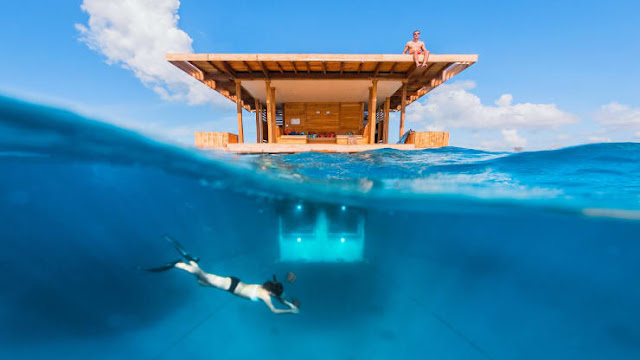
x=339 y=118
x=214 y=140
x=428 y=139
x=351 y=117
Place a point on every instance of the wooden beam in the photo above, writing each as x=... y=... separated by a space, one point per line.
x=411 y=70
x=248 y=67
x=377 y=70
x=320 y=57
x=403 y=104
x=279 y=67
x=229 y=69
x=190 y=69
x=360 y=67
x=269 y=113
x=264 y=70
x=385 y=126
x=308 y=67
x=393 y=67
x=374 y=94
x=341 y=67
x=293 y=64
x=239 y=111
x=308 y=75
x=324 y=67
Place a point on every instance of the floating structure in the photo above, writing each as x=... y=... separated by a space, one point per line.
x=320 y=102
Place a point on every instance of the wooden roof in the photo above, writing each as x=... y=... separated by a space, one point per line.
x=220 y=71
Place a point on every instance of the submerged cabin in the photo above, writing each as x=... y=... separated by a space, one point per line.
x=320 y=102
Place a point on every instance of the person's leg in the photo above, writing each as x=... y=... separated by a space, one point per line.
x=415 y=58
x=204 y=278
x=426 y=58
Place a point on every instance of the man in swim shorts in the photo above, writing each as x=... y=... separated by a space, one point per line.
x=416 y=47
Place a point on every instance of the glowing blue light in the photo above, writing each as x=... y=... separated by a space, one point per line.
x=299 y=239
x=298 y=207
x=342 y=239
x=343 y=208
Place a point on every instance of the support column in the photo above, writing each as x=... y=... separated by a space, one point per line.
x=372 y=116
x=269 y=114
x=258 y=122
x=273 y=116
x=385 y=126
x=239 y=111
x=370 y=113
x=403 y=105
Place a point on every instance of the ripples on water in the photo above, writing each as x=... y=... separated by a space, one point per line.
x=467 y=254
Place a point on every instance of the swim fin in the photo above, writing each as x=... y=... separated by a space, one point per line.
x=164 y=267
x=180 y=249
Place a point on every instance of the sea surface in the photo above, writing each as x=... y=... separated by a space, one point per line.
x=466 y=254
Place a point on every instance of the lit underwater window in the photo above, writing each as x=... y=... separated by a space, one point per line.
x=320 y=233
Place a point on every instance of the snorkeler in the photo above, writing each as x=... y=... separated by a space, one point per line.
x=232 y=284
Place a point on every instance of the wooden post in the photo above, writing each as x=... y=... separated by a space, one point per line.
x=372 y=128
x=385 y=126
x=273 y=116
x=369 y=112
x=239 y=111
x=261 y=122
x=269 y=103
x=258 y=121
x=403 y=105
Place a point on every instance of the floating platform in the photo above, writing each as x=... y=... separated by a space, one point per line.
x=265 y=148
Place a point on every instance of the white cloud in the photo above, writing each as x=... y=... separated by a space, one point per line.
x=599 y=139
x=513 y=139
x=453 y=106
x=615 y=116
x=137 y=34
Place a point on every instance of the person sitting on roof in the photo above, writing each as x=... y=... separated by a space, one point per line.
x=416 y=47
x=231 y=284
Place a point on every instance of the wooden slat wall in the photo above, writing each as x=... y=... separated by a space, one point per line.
x=351 y=117
x=428 y=139
x=338 y=118
x=323 y=117
x=295 y=111
x=213 y=140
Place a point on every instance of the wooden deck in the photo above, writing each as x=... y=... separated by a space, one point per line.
x=298 y=148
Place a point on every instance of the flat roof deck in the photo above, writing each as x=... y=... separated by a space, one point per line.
x=285 y=71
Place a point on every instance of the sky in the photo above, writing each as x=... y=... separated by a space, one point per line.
x=550 y=74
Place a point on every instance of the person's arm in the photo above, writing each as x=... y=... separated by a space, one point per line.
x=293 y=309
x=426 y=55
x=406 y=48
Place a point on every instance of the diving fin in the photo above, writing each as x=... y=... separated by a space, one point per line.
x=180 y=249
x=162 y=268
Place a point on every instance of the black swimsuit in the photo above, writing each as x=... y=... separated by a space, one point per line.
x=234 y=284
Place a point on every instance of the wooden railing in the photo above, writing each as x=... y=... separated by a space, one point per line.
x=428 y=139
x=214 y=140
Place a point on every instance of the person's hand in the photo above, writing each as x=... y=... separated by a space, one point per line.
x=294 y=310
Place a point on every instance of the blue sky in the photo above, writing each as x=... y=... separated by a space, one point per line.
x=572 y=62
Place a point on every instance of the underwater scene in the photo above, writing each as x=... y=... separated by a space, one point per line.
x=446 y=253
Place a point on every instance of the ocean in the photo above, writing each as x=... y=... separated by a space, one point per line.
x=444 y=253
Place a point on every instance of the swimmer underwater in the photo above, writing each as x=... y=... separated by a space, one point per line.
x=231 y=284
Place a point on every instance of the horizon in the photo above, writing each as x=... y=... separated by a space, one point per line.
x=507 y=100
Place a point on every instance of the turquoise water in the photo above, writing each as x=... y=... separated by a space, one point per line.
x=465 y=254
